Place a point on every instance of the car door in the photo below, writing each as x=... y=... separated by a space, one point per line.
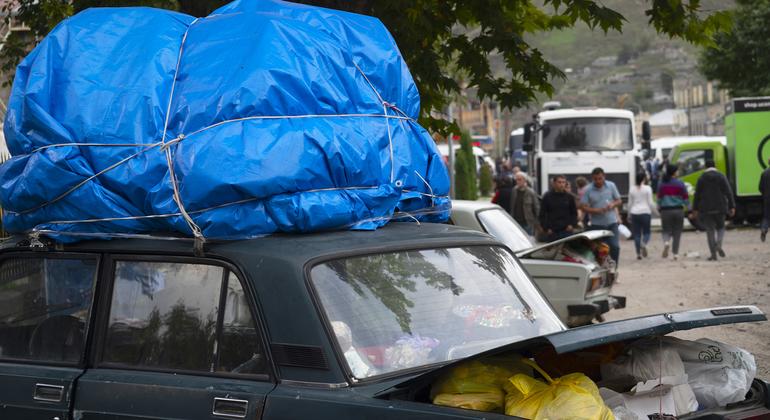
x=178 y=340
x=45 y=314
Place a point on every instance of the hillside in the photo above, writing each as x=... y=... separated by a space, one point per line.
x=634 y=68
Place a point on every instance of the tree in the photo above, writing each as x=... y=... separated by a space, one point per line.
x=740 y=60
x=443 y=39
x=465 y=169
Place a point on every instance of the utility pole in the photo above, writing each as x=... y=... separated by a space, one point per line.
x=450 y=143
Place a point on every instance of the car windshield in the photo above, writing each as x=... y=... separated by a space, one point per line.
x=498 y=223
x=586 y=134
x=407 y=309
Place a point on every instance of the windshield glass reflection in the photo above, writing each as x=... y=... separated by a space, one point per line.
x=407 y=309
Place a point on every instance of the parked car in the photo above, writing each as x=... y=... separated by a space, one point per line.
x=567 y=271
x=343 y=325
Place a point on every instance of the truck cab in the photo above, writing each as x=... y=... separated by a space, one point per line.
x=742 y=159
x=692 y=157
x=571 y=142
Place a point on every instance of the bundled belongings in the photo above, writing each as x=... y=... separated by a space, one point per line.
x=264 y=116
x=678 y=376
x=574 y=396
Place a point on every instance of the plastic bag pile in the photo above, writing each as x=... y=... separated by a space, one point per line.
x=264 y=116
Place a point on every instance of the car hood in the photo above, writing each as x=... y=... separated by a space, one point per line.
x=607 y=332
x=591 y=235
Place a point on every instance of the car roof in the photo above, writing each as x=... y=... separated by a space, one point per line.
x=304 y=246
x=467 y=205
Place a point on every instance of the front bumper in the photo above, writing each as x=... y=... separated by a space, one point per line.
x=584 y=313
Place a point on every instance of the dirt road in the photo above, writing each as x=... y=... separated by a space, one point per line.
x=654 y=285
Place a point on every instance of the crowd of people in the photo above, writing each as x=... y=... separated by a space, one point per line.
x=596 y=204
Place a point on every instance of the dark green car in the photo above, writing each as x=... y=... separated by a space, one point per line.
x=339 y=325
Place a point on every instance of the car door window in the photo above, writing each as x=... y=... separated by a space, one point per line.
x=44 y=308
x=241 y=348
x=166 y=315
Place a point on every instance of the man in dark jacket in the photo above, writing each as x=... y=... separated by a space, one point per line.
x=525 y=206
x=764 y=189
x=713 y=200
x=558 y=211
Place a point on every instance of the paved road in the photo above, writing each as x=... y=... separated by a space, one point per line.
x=654 y=285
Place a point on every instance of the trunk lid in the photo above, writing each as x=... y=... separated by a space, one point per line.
x=590 y=235
x=605 y=333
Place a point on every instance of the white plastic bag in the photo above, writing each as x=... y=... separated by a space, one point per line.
x=624 y=231
x=718 y=373
x=652 y=359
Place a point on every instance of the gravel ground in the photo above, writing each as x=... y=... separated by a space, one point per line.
x=654 y=285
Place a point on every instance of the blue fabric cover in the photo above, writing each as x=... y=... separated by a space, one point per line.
x=105 y=78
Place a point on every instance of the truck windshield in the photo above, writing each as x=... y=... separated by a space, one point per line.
x=587 y=134
x=407 y=309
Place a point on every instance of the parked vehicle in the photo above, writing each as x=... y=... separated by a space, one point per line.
x=571 y=142
x=342 y=325
x=516 y=151
x=742 y=159
x=660 y=148
x=567 y=271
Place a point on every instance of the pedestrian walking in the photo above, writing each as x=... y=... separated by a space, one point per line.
x=713 y=201
x=525 y=205
x=558 y=212
x=764 y=189
x=502 y=195
x=640 y=207
x=673 y=201
x=600 y=200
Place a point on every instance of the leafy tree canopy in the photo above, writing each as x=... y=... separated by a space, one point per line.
x=739 y=59
x=442 y=41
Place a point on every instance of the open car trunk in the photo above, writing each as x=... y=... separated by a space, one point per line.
x=574 y=247
x=597 y=338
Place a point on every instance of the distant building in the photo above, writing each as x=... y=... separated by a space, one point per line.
x=705 y=106
x=668 y=123
x=606 y=61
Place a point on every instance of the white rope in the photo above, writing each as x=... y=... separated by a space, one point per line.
x=219 y=206
x=85 y=181
x=429 y=187
x=394 y=217
x=385 y=105
x=196 y=231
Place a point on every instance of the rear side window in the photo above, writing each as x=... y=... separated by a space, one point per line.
x=45 y=306
x=191 y=317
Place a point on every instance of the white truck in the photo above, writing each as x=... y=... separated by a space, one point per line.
x=572 y=142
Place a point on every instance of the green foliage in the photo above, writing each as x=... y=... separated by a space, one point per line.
x=485 y=180
x=465 y=170
x=442 y=41
x=683 y=19
x=740 y=59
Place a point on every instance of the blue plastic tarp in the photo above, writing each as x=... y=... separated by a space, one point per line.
x=264 y=116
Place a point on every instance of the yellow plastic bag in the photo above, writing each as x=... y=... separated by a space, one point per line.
x=477 y=384
x=482 y=401
x=574 y=396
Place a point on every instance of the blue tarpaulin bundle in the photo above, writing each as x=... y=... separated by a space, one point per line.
x=264 y=116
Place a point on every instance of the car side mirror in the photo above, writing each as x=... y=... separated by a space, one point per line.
x=646 y=136
x=527 y=140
